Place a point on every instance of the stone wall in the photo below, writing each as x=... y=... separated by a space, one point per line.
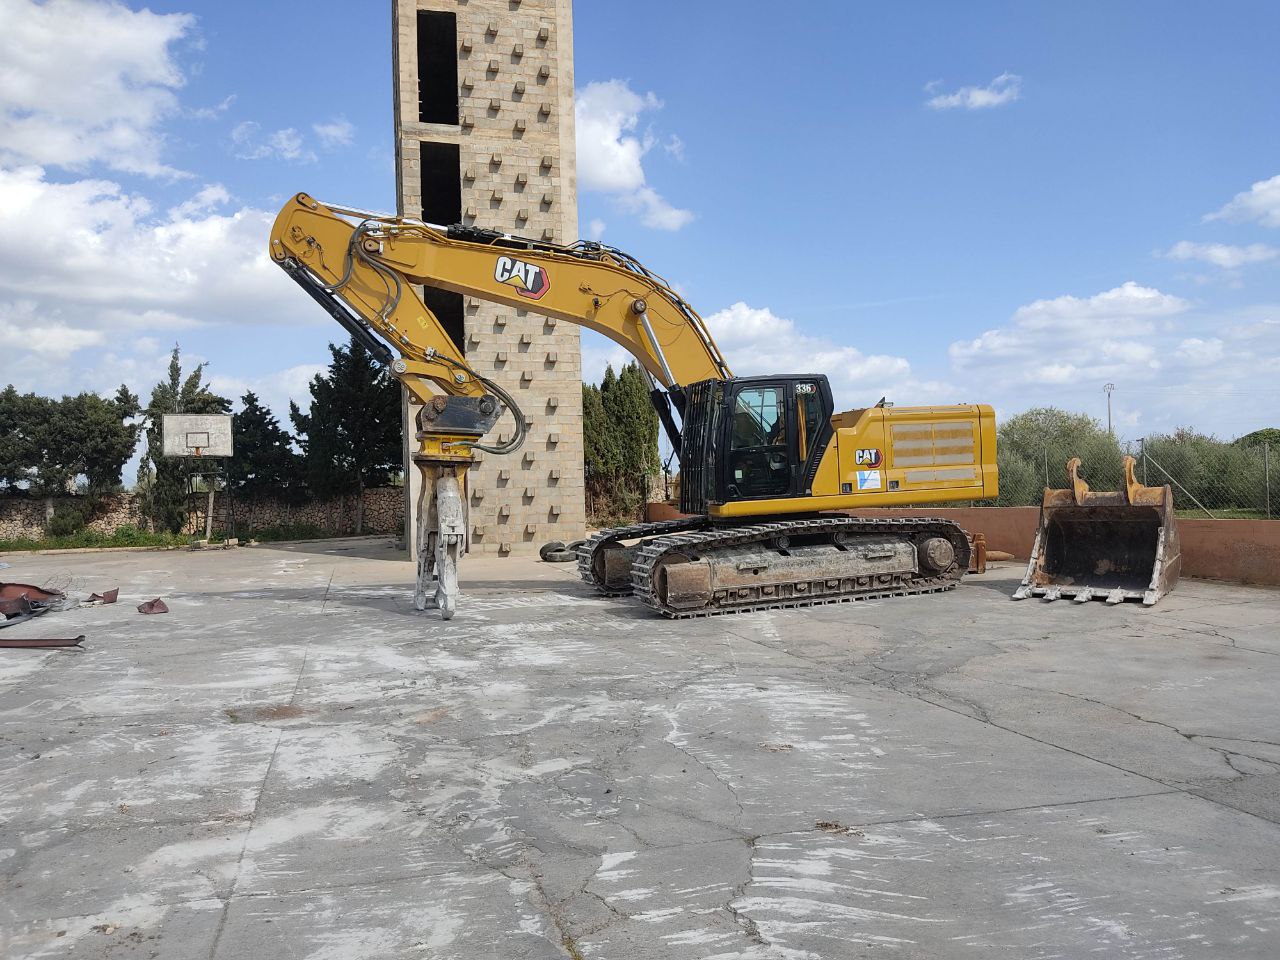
x=383 y=513
x=22 y=518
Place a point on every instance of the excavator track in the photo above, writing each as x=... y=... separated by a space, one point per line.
x=726 y=545
x=590 y=548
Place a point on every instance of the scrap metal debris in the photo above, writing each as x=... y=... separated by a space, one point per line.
x=111 y=596
x=20 y=602
x=43 y=643
x=153 y=606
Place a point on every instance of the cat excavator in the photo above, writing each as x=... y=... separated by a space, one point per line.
x=767 y=465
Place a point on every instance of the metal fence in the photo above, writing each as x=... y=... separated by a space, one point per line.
x=1209 y=478
x=1217 y=480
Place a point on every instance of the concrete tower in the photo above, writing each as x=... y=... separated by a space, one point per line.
x=484 y=136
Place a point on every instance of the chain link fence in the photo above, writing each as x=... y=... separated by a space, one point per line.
x=1211 y=479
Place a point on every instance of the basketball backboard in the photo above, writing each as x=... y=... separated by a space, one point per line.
x=196 y=435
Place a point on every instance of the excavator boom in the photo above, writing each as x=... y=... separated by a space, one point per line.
x=363 y=273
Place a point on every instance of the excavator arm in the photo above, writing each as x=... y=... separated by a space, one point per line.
x=361 y=268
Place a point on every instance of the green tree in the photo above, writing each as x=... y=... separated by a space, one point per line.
x=1204 y=470
x=51 y=447
x=620 y=442
x=1268 y=435
x=351 y=436
x=599 y=452
x=1032 y=450
x=265 y=462
x=163 y=482
x=22 y=416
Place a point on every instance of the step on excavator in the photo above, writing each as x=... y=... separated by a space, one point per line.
x=768 y=467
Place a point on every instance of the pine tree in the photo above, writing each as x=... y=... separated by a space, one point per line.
x=351 y=436
x=265 y=462
x=162 y=481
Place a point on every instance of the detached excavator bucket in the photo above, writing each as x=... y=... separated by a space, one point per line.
x=1112 y=546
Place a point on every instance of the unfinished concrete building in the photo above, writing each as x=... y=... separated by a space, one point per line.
x=484 y=136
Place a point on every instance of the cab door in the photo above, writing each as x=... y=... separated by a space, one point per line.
x=760 y=462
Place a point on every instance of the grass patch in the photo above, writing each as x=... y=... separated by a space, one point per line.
x=126 y=536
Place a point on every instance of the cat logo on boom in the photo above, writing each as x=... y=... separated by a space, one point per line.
x=529 y=279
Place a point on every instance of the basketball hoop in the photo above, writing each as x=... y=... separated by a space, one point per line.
x=197 y=436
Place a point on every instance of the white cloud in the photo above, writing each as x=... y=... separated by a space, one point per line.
x=1265 y=328
x=275 y=390
x=1005 y=88
x=1128 y=307
x=675 y=147
x=755 y=340
x=1067 y=338
x=1261 y=202
x=1173 y=363
x=103 y=269
x=212 y=196
x=338 y=132
x=611 y=155
x=1223 y=255
x=286 y=144
x=217 y=110
x=654 y=210
x=87 y=81
x=1199 y=352
x=23 y=328
x=595 y=229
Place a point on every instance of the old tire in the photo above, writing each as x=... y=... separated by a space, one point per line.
x=556 y=551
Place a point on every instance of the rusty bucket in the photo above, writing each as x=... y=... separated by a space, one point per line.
x=1112 y=546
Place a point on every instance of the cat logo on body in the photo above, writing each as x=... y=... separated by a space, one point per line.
x=869 y=457
x=529 y=279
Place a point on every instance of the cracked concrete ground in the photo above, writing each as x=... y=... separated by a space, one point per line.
x=294 y=764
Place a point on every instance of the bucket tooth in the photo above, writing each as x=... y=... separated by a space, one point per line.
x=1119 y=544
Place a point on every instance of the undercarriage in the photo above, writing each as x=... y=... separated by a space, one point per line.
x=693 y=568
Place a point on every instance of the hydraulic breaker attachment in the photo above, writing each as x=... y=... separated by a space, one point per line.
x=442 y=535
x=1111 y=546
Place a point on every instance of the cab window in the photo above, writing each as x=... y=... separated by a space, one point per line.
x=759 y=464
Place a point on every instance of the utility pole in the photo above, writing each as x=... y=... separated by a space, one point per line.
x=1109 y=387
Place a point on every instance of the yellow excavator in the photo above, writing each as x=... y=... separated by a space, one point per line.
x=766 y=462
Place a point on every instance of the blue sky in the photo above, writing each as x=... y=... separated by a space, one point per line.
x=1003 y=202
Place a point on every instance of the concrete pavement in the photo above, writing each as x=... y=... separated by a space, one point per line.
x=295 y=764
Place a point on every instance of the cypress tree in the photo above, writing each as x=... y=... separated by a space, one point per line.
x=351 y=436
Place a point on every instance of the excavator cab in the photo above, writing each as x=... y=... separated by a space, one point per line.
x=752 y=438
